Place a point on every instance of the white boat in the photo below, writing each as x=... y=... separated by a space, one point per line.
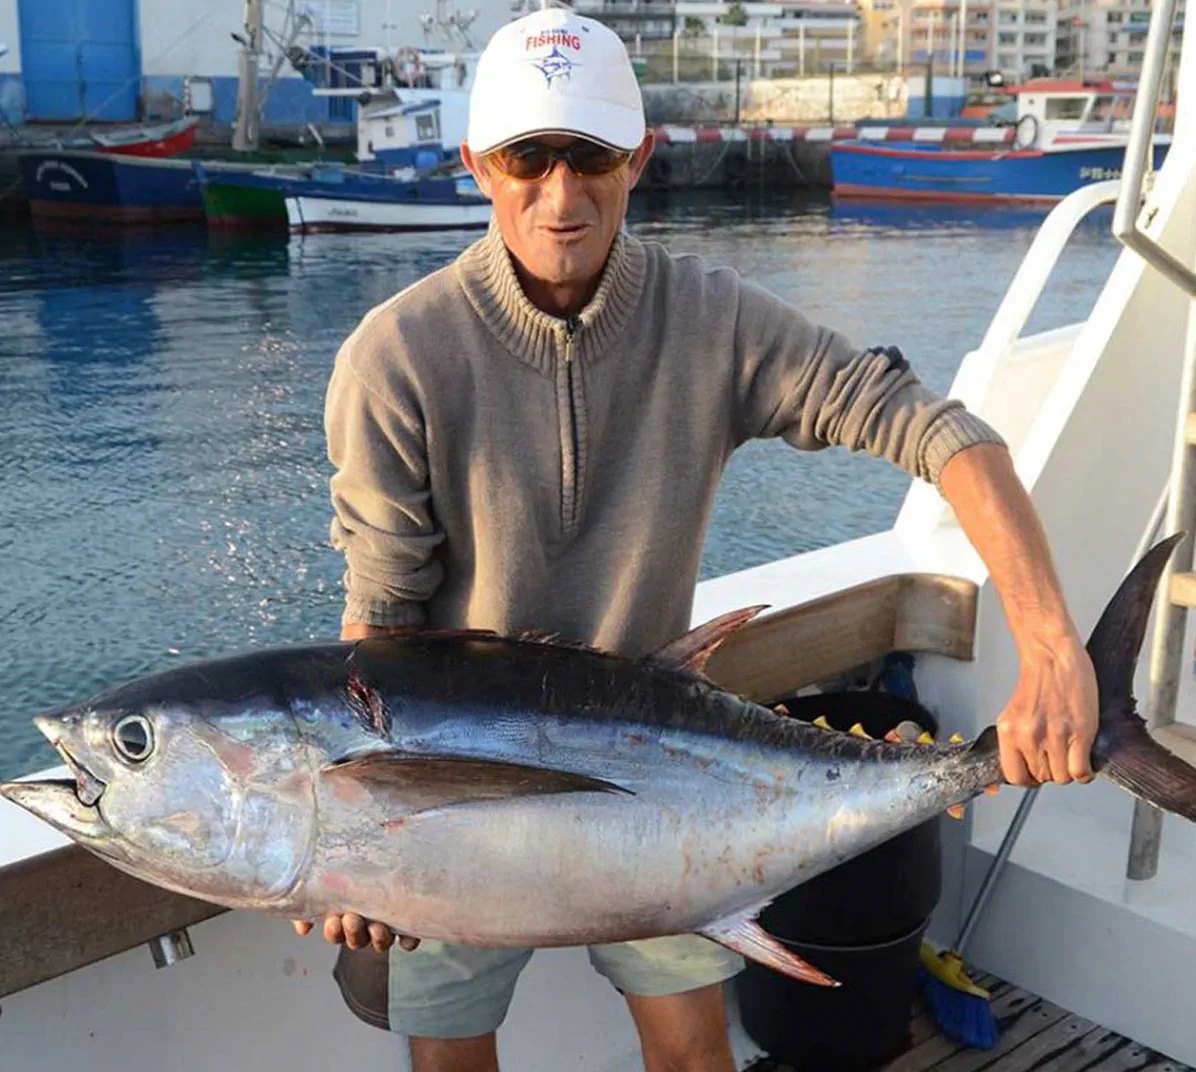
x=1090 y=411
x=384 y=203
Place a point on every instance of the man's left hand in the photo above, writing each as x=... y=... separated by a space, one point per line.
x=1047 y=729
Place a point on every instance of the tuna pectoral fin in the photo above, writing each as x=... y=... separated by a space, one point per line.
x=436 y=781
x=744 y=935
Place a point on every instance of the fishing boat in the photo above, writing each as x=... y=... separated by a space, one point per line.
x=394 y=138
x=105 y=187
x=142 y=139
x=344 y=200
x=1060 y=135
x=1092 y=911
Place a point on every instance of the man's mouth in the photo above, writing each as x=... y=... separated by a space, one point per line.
x=567 y=230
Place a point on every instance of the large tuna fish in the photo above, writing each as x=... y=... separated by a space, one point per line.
x=498 y=791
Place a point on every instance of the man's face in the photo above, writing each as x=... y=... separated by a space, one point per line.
x=559 y=227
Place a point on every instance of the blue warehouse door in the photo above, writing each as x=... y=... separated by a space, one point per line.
x=80 y=59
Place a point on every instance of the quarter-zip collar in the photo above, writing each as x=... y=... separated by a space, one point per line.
x=489 y=281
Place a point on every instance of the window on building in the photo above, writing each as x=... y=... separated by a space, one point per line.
x=1007 y=62
x=1007 y=17
x=1113 y=16
x=1135 y=58
x=426 y=127
x=1111 y=60
x=1035 y=39
x=1036 y=18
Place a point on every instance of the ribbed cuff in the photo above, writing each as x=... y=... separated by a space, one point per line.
x=955 y=430
x=360 y=611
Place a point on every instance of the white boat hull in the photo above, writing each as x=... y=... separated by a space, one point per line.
x=308 y=214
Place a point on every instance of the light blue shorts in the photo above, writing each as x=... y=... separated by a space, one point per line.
x=452 y=991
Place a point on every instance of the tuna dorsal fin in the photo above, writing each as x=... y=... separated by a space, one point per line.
x=691 y=650
x=424 y=782
x=744 y=935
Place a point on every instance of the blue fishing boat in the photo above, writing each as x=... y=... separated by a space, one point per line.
x=1065 y=134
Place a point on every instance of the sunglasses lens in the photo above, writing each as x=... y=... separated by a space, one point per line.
x=533 y=160
x=591 y=159
x=525 y=161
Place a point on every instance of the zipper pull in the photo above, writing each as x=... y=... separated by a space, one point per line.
x=572 y=326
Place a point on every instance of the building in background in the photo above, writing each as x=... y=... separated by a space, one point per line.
x=1106 y=37
x=771 y=39
x=121 y=60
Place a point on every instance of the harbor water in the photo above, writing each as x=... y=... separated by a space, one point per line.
x=163 y=479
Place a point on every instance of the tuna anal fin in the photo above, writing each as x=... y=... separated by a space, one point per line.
x=691 y=650
x=427 y=782
x=745 y=936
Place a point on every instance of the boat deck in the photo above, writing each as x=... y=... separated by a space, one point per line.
x=1035 y=1035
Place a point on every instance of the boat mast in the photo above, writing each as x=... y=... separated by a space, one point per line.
x=245 y=133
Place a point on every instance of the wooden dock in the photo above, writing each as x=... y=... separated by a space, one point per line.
x=1036 y=1036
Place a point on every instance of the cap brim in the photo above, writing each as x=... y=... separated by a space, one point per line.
x=613 y=125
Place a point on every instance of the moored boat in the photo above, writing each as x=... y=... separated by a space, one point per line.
x=1067 y=134
x=356 y=201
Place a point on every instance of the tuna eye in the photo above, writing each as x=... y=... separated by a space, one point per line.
x=134 y=738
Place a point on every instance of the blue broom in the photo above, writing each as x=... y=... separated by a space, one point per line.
x=958 y=1005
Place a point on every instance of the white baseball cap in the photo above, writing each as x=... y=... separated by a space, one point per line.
x=555 y=72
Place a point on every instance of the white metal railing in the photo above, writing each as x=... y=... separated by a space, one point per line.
x=1040 y=260
x=1167 y=646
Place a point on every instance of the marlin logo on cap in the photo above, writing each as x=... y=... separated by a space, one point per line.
x=556 y=65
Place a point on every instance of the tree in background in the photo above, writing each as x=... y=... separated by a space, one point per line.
x=736 y=15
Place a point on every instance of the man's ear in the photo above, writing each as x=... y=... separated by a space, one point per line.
x=477 y=169
x=642 y=155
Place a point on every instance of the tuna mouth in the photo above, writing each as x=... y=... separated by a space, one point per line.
x=88 y=788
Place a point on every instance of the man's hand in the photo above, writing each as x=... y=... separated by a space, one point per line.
x=1047 y=729
x=357 y=932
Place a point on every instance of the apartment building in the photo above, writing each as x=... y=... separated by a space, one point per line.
x=1106 y=37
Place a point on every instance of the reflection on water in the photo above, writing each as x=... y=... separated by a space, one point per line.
x=162 y=467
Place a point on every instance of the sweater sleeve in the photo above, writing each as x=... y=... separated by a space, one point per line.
x=809 y=385
x=381 y=499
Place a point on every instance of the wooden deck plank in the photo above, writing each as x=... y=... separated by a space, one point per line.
x=1007 y=1007
x=1020 y=1016
x=1084 y=1052
x=1134 y=1058
x=1032 y=1051
x=1036 y=1036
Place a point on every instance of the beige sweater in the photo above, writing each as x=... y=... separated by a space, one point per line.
x=499 y=468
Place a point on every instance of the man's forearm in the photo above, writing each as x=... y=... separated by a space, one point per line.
x=361 y=631
x=998 y=517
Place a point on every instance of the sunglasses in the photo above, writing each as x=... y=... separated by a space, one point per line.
x=532 y=160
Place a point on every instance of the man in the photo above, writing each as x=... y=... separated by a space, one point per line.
x=532 y=437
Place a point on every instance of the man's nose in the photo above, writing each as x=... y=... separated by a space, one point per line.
x=560 y=186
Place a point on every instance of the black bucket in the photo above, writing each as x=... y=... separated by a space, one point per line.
x=862 y=1024
x=861 y=922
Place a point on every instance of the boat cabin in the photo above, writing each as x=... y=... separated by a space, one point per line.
x=1047 y=110
x=400 y=134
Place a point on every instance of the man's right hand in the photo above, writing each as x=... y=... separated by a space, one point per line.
x=357 y=932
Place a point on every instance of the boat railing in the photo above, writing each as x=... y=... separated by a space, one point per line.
x=1166 y=652
x=1031 y=279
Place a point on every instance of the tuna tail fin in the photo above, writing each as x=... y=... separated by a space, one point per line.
x=1124 y=751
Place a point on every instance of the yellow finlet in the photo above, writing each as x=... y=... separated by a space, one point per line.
x=858 y=731
x=925 y=738
x=822 y=723
x=956 y=811
x=955 y=738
